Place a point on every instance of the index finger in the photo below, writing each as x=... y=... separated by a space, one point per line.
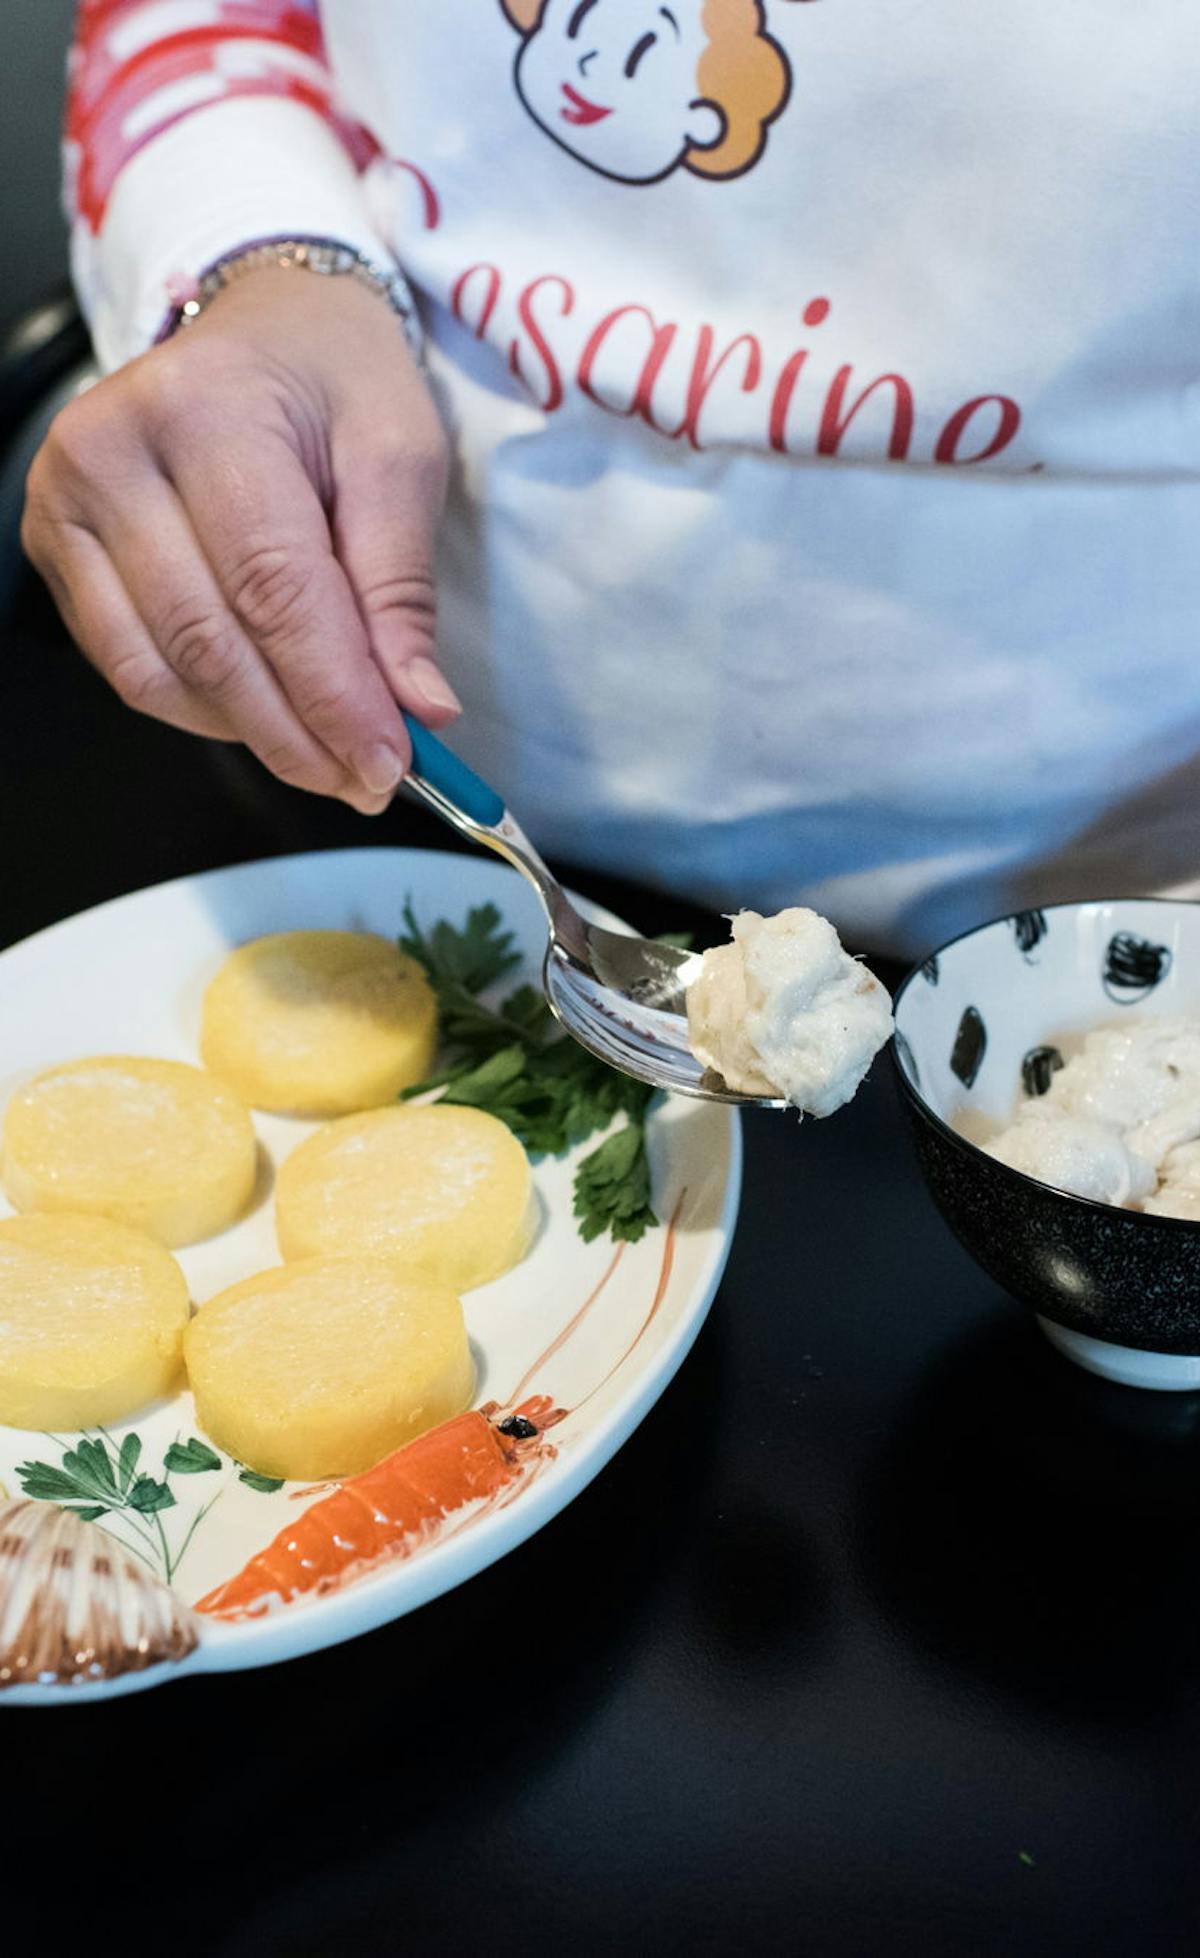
x=261 y=525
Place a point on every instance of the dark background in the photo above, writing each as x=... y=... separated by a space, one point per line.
x=33 y=250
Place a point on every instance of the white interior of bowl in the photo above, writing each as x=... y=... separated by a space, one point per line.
x=983 y=1003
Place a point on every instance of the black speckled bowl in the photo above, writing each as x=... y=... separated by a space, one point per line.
x=979 y=1025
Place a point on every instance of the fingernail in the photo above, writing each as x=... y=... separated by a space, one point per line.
x=364 y=804
x=432 y=682
x=379 y=768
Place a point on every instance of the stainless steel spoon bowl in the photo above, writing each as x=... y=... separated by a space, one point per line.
x=621 y=996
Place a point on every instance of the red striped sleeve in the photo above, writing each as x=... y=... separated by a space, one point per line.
x=139 y=66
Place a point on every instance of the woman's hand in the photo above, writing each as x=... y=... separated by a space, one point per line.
x=238 y=528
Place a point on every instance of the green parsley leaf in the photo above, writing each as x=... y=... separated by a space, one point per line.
x=512 y=1061
x=147 y=1496
x=127 y=1461
x=471 y=958
x=43 y=1483
x=491 y=1081
x=192 y=1457
x=612 y=1188
x=265 y=1485
x=528 y=1010
x=91 y=1466
x=88 y=1483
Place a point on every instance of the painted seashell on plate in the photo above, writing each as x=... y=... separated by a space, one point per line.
x=75 y=1608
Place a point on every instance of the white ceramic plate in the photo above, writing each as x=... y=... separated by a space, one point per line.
x=128 y=977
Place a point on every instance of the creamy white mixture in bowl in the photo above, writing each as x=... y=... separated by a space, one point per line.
x=1050 y=1062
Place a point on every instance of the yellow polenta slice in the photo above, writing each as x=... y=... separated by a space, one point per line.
x=323 y=1367
x=157 y=1145
x=91 y=1321
x=319 y=1022
x=448 y=1190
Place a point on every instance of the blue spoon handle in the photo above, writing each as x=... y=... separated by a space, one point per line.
x=443 y=771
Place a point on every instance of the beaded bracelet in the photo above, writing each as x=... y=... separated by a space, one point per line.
x=321 y=255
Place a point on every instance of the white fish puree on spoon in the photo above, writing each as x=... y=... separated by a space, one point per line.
x=785 y=1011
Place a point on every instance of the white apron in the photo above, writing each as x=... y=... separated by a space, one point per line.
x=824 y=382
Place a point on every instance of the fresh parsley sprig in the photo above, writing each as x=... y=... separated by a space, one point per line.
x=612 y=1186
x=512 y=1061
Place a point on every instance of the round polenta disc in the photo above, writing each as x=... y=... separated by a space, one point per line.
x=322 y=1368
x=319 y=1022
x=163 y=1147
x=91 y=1321
x=447 y=1190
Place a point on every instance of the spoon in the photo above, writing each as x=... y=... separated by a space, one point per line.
x=621 y=996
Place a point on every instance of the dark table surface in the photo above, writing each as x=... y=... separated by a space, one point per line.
x=880 y=1634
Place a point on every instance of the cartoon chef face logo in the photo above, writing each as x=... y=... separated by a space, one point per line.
x=635 y=90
